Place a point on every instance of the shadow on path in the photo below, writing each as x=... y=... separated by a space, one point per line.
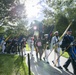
x=42 y=68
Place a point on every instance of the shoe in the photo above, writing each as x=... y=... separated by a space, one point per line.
x=65 y=68
x=47 y=62
x=44 y=58
x=54 y=63
x=59 y=67
x=40 y=58
x=25 y=54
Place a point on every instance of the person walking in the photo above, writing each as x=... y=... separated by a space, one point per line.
x=56 y=46
x=3 y=45
x=39 y=48
x=67 y=63
x=67 y=44
x=47 y=51
x=32 y=46
x=23 y=46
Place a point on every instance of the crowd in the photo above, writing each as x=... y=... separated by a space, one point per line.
x=41 y=45
x=12 y=45
x=67 y=44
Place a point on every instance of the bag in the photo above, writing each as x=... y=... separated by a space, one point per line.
x=39 y=44
x=73 y=52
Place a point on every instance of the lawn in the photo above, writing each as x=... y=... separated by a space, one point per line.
x=65 y=54
x=27 y=47
x=12 y=65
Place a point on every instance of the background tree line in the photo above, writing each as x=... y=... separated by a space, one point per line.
x=13 y=16
x=62 y=13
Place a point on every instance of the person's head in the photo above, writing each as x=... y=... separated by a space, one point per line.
x=56 y=33
x=24 y=39
x=69 y=32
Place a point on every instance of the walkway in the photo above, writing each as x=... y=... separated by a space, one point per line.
x=42 y=68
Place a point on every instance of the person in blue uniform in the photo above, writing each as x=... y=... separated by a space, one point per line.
x=67 y=44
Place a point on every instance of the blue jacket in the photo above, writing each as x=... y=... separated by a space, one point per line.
x=66 y=43
x=67 y=39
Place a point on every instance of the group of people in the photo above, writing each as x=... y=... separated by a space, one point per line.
x=41 y=45
x=66 y=45
x=12 y=45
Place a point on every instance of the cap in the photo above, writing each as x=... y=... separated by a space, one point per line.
x=55 y=32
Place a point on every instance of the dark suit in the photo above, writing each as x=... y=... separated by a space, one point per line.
x=65 y=44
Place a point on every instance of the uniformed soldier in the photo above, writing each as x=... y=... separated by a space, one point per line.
x=3 y=45
x=56 y=46
x=68 y=44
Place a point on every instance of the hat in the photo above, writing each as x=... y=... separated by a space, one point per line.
x=56 y=32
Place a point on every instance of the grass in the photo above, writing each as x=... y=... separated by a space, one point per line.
x=12 y=65
x=27 y=47
x=65 y=55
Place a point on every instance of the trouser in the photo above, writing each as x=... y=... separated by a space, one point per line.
x=8 y=48
x=19 y=49
x=74 y=65
x=46 y=55
x=32 y=49
x=40 y=51
x=3 y=48
x=24 y=50
x=15 y=48
x=36 y=52
x=56 y=55
x=67 y=62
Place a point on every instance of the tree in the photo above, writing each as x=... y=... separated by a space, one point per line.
x=11 y=10
x=1 y=30
x=62 y=13
x=18 y=30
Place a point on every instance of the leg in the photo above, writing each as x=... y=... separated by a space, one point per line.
x=36 y=52
x=46 y=54
x=32 y=49
x=58 y=54
x=24 y=51
x=67 y=63
x=3 y=49
x=40 y=52
x=19 y=49
x=74 y=66
x=54 y=56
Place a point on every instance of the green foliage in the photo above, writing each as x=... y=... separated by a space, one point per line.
x=62 y=13
x=61 y=24
x=12 y=65
x=1 y=29
x=11 y=10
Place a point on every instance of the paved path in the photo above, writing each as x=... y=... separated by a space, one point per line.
x=42 y=68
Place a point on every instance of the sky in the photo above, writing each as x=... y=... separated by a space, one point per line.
x=34 y=9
